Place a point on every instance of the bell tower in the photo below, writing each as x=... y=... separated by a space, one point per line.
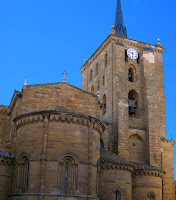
x=127 y=75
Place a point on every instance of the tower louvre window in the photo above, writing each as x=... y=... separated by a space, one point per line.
x=131 y=75
x=132 y=101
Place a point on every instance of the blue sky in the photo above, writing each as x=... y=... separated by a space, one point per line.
x=42 y=38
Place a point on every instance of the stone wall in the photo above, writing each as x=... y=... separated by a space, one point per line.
x=4 y=128
x=5 y=177
x=112 y=179
x=149 y=123
x=146 y=184
x=47 y=137
x=168 y=166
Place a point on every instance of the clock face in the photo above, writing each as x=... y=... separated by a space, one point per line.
x=132 y=53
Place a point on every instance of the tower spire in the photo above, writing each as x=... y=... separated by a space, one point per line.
x=119 y=27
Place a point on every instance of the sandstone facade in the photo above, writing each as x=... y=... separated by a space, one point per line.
x=59 y=142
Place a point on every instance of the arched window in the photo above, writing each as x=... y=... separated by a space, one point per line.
x=21 y=177
x=106 y=60
x=96 y=69
x=92 y=89
x=104 y=104
x=90 y=75
x=117 y=195
x=132 y=101
x=68 y=175
x=151 y=196
x=131 y=75
x=103 y=80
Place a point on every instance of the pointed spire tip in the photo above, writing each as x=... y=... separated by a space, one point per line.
x=120 y=29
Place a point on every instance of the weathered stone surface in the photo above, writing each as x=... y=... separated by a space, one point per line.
x=54 y=132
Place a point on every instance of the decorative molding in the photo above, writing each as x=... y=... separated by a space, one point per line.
x=54 y=194
x=67 y=154
x=168 y=141
x=16 y=95
x=5 y=161
x=115 y=166
x=154 y=173
x=137 y=169
x=22 y=154
x=130 y=168
x=59 y=116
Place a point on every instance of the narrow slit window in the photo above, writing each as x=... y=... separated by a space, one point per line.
x=138 y=59
x=90 y=75
x=101 y=144
x=118 y=195
x=103 y=80
x=126 y=56
x=96 y=69
x=104 y=104
x=92 y=89
x=106 y=60
x=98 y=86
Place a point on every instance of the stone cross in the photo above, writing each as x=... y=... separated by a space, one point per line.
x=64 y=80
x=25 y=82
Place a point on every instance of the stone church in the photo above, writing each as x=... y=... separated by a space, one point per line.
x=106 y=141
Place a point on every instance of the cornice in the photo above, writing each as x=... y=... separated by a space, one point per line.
x=145 y=172
x=117 y=166
x=59 y=116
x=131 y=168
x=168 y=141
x=61 y=83
x=16 y=95
x=138 y=169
